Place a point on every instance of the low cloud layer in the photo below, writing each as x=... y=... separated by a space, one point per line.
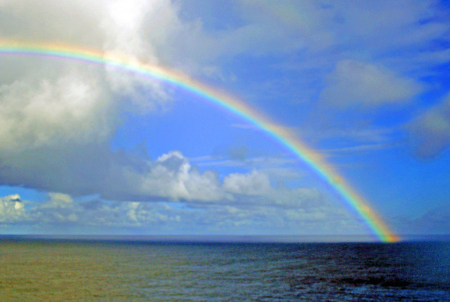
x=94 y=215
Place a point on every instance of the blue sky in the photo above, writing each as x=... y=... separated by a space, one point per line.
x=91 y=150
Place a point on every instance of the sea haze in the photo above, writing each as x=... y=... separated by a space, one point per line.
x=120 y=269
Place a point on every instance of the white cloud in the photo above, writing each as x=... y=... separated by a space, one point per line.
x=58 y=200
x=70 y=108
x=71 y=22
x=12 y=209
x=112 y=26
x=173 y=177
x=358 y=84
x=125 y=26
x=57 y=117
x=170 y=177
x=254 y=183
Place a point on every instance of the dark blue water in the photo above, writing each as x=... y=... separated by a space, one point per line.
x=305 y=272
x=150 y=271
x=295 y=272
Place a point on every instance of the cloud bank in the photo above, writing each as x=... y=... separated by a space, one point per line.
x=101 y=216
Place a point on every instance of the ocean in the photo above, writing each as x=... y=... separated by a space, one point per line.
x=147 y=270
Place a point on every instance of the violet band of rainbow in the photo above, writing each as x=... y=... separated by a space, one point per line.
x=312 y=159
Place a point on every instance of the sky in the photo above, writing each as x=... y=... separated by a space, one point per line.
x=91 y=149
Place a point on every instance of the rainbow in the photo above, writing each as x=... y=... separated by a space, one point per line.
x=281 y=134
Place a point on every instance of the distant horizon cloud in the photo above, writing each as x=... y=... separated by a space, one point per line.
x=96 y=215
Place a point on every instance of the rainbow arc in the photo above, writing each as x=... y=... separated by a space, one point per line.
x=283 y=135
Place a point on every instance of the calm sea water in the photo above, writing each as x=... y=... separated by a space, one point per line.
x=150 y=271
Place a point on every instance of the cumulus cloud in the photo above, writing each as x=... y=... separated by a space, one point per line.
x=130 y=176
x=254 y=183
x=124 y=27
x=108 y=26
x=358 y=84
x=430 y=132
x=57 y=117
x=58 y=208
x=11 y=209
x=71 y=22
x=169 y=177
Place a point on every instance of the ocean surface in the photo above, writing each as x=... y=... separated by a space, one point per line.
x=120 y=270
